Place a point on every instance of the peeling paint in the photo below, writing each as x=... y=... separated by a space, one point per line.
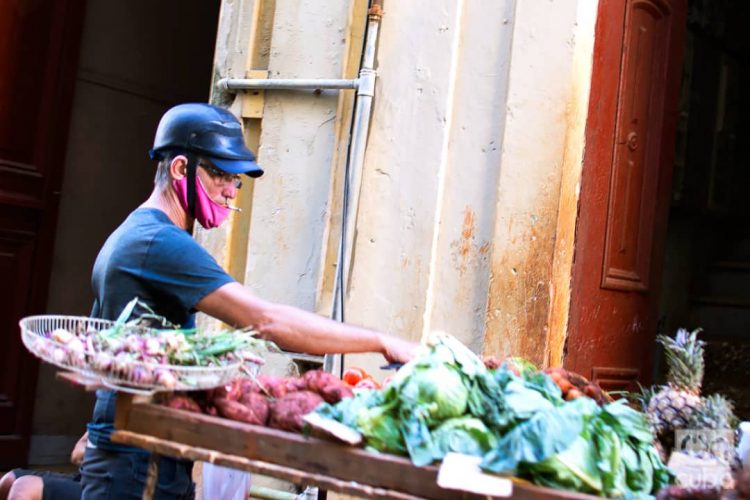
x=493 y=222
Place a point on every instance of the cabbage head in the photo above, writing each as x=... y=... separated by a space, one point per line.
x=466 y=435
x=437 y=391
x=381 y=429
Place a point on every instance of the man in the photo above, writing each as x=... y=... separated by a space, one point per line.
x=201 y=154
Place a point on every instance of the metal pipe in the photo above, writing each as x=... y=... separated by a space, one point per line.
x=360 y=130
x=230 y=84
x=355 y=163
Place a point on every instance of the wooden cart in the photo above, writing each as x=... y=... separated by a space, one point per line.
x=293 y=457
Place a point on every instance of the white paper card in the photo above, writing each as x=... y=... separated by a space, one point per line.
x=333 y=428
x=693 y=472
x=462 y=472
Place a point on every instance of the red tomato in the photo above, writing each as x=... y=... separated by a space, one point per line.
x=353 y=375
x=367 y=383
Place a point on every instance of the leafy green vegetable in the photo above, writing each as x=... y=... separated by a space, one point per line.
x=417 y=436
x=545 y=434
x=465 y=435
x=574 y=469
x=487 y=402
x=611 y=455
x=380 y=426
x=438 y=390
x=525 y=402
x=514 y=417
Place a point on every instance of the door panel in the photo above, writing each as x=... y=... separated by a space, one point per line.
x=16 y=256
x=38 y=57
x=635 y=167
x=625 y=190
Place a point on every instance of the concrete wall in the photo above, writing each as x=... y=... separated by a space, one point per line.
x=477 y=117
x=137 y=59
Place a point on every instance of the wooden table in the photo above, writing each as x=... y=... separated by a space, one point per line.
x=293 y=457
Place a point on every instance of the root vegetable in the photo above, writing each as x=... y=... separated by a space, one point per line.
x=565 y=385
x=75 y=344
x=166 y=379
x=59 y=355
x=78 y=358
x=102 y=361
x=287 y=412
x=573 y=394
x=592 y=391
x=182 y=402
x=335 y=392
x=235 y=410
x=277 y=388
x=141 y=375
x=258 y=406
x=315 y=380
x=329 y=386
x=61 y=335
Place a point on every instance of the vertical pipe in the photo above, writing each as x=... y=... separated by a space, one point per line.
x=360 y=130
x=355 y=163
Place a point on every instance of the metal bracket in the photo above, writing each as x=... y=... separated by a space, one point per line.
x=254 y=101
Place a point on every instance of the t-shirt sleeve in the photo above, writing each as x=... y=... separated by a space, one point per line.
x=179 y=267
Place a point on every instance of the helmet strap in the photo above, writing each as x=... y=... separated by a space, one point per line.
x=192 y=164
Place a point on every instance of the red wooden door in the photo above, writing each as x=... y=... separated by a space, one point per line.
x=38 y=58
x=625 y=189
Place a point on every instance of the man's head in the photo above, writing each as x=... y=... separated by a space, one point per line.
x=205 y=130
x=196 y=135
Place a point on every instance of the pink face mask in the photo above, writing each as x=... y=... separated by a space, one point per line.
x=207 y=212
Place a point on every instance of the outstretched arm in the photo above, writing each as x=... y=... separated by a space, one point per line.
x=298 y=330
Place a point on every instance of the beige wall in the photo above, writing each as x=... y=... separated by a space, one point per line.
x=477 y=130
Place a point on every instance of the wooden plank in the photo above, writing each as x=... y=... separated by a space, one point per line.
x=330 y=465
x=295 y=476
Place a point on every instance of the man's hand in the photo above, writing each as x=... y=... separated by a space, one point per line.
x=76 y=456
x=397 y=350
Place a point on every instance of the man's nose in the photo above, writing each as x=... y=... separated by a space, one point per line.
x=229 y=191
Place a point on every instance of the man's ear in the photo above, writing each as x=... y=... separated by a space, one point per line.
x=178 y=167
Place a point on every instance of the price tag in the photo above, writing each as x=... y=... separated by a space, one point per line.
x=462 y=472
x=693 y=472
x=333 y=429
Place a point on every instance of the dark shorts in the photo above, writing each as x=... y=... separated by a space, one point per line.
x=56 y=486
x=115 y=475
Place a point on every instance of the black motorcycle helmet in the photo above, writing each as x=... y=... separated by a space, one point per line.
x=200 y=129
x=205 y=130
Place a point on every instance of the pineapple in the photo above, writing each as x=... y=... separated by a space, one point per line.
x=716 y=416
x=716 y=412
x=671 y=407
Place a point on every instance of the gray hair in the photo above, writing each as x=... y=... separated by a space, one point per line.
x=163 y=177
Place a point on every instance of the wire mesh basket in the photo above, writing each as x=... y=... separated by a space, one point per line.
x=126 y=375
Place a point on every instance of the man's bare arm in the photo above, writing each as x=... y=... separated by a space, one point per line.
x=298 y=330
x=76 y=456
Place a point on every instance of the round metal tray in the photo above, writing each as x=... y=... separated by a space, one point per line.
x=35 y=334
